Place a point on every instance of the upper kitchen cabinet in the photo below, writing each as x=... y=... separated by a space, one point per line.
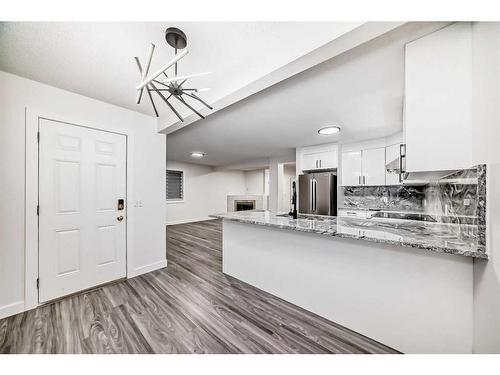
x=438 y=100
x=363 y=167
x=319 y=157
x=351 y=168
x=373 y=166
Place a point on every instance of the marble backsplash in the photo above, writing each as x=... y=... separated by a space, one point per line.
x=458 y=199
x=397 y=198
x=459 y=194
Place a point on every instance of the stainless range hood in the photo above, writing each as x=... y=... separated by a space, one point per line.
x=424 y=177
x=437 y=177
x=398 y=166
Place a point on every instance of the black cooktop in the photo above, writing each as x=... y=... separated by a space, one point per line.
x=405 y=216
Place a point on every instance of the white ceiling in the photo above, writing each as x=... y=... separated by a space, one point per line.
x=361 y=91
x=96 y=59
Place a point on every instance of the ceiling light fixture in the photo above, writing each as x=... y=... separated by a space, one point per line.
x=197 y=154
x=171 y=86
x=329 y=130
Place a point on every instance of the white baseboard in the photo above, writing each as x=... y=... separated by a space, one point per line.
x=11 y=309
x=184 y=221
x=148 y=268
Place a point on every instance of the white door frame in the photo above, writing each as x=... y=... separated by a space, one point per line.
x=31 y=198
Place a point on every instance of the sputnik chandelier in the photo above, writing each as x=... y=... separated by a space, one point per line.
x=162 y=84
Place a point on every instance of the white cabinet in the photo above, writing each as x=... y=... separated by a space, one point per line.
x=358 y=214
x=438 y=100
x=351 y=168
x=373 y=166
x=310 y=161
x=328 y=159
x=364 y=167
x=320 y=157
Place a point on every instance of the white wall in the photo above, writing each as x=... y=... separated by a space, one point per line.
x=275 y=181
x=205 y=192
x=486 y=140
x=412 y=300
x=285 y=196
x=254 y=182
x=148 y=147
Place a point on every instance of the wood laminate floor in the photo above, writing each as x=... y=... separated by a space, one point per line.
x=188 y=307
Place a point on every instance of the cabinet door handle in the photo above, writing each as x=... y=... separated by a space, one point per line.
x=364 y=180
x=359 y=180
x=320 y=163
x=402 y=157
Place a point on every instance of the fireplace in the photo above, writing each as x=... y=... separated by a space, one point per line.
x=244 y=205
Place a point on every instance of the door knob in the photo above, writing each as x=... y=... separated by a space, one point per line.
x=119 y=218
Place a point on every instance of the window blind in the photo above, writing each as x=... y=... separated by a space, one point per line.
x=175 y=185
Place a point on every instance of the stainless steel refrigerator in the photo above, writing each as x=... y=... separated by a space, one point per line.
x=318 y=193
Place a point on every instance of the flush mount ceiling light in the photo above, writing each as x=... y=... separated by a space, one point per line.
x=197 y=154
x=173 y=86
x=329 y=130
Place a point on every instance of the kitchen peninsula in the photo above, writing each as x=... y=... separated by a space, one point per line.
x=404 y=282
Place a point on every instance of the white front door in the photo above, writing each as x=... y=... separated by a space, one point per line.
x=82 y=233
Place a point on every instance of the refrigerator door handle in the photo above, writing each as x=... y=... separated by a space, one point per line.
x=315 y=195
x=311 y=194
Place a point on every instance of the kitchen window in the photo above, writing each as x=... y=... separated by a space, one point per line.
x=175 y=185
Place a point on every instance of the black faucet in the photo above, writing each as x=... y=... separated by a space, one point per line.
x=293 y=211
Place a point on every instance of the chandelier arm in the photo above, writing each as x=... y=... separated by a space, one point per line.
x=145 y=72
x=152 y=101
x=139 y=95
x=166 y=101
x=179 y=98
x=199 y=99
x=176 y=62
x=157 y=73
x=149 y=93
x=156 y=89
x=160 y=83
x=172 y=108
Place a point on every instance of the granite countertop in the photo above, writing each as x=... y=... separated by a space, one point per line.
x=438 y=237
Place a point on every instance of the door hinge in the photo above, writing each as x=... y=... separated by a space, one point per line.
x=37 y=210
x=38 y=283
x=38 y=137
